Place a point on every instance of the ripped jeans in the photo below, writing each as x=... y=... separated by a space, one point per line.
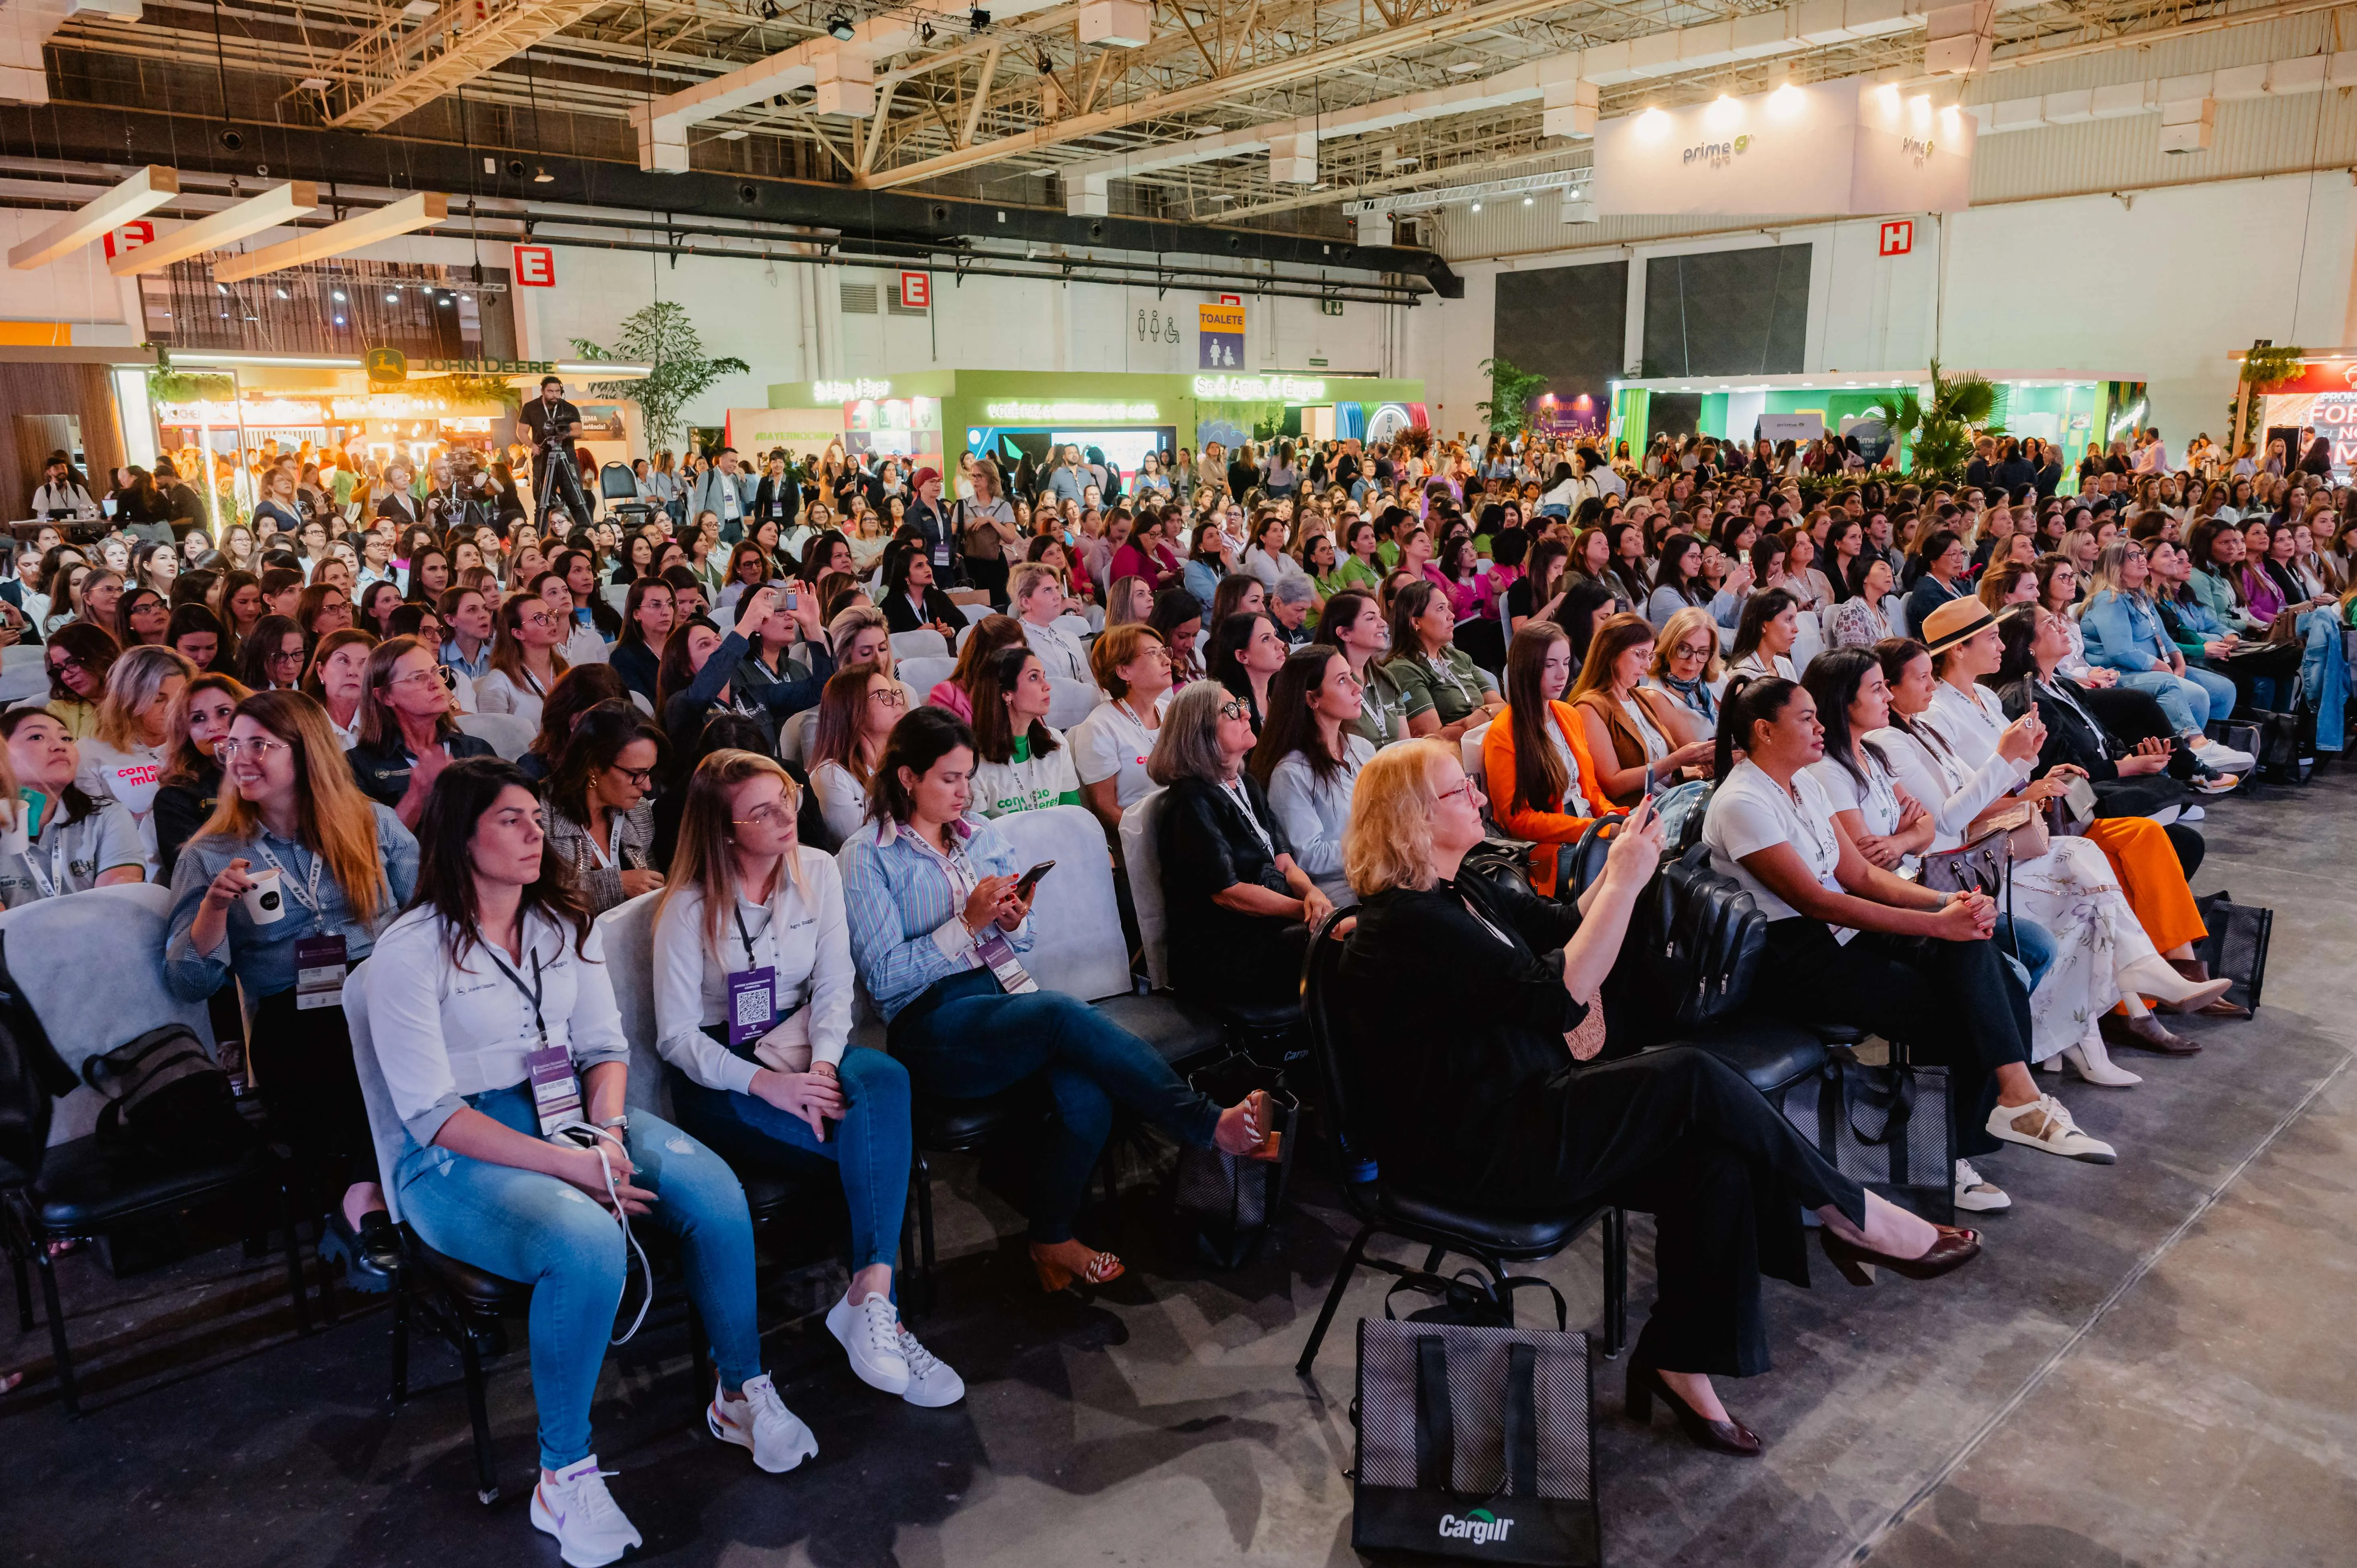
x=521 y=1225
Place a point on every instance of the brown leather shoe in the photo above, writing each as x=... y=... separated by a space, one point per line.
x=1954 y=1249
x=2197 y=969
x=2146 y=1034
x=1728 y=1436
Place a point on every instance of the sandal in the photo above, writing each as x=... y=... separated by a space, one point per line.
x=1265 y=1145
x=1102 y=1268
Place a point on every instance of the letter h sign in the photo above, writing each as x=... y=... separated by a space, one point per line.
x=1899 y=237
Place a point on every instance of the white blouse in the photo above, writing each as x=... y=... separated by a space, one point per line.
x=801 y=934
x=445 y=1029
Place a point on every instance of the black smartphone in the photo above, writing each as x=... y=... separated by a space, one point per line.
x=1030 y=879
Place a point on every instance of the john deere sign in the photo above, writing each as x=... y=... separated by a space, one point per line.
x=387 y=365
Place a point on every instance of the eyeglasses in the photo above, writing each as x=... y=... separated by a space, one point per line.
x=260 y=750
x=770 y=816
x=1464 y=787
x=1233 y=708
x=71 y=661
x=639 y=777
x=433 y=675
x=890 y=696
x=544 y=620
x=1692 y=650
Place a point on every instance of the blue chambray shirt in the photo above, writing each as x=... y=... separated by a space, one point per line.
x=263 y=957
x=903 y=909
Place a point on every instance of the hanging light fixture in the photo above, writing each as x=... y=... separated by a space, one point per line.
x=838 y=27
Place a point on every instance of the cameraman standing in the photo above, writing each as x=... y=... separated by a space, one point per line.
x=552 y=425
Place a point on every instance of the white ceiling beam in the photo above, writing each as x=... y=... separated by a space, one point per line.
x=144 y=192
x=370 y=228
x=278 y=205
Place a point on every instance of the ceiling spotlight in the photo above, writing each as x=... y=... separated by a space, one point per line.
x=392 y=299
x=924 y=32
x=768 y=10
x=221 y=287
x=979 y=19
x=1047 y=66
x=340 y=293
x=540 y=174
x=838 y=27
x=282 y=293
x=340 y=321
x=1528 y=200
x=1477 y=207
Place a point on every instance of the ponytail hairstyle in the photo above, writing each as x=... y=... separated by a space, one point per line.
x=1748 y=702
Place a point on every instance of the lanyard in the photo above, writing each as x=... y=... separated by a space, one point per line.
x=532 y=995
x=308 y=895
x=612 y=850
x=55 y=877
x=1242 y=800
x=954 y=867
x=738 y=910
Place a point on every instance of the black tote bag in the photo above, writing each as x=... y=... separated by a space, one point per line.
x=1887 y=1127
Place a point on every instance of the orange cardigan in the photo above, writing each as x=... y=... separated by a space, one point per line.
x=1549 y=830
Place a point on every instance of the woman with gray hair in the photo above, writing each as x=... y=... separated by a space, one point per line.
x=1238 y=910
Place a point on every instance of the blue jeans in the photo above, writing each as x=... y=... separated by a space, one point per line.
x=2187 y=701
x=2036 y=945
x=964 y=1038
x=870 y=1146
x=548 y=1234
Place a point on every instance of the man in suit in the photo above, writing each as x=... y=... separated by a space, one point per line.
x=726 y=490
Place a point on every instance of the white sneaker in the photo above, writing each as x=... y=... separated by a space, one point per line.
x=1976 y=1192
x=2225 y=759
x=931 y=1384
x=870 y=1335
x=2043 y=1124
x=760 y=1421
x=576 y=1509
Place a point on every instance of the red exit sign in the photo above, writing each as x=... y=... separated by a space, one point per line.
x=1899 y=237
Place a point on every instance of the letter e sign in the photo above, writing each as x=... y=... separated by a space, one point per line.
x=916 y=290
x=536 y=267
x=1899 y=237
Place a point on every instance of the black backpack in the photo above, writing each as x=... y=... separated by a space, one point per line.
x=167 y=1102
x=1692 y=951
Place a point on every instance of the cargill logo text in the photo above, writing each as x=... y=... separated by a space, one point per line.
x=1480 y=1527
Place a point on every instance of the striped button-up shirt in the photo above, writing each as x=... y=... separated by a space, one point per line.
x=904 y=907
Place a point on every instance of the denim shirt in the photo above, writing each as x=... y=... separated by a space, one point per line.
x=2123 y=632
x=904 y=913
x=263 y=957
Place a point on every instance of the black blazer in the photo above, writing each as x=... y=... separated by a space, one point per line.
x=1207 y=849
x=1458 y=1035
x=899 y=615
x=784 y=492
x=2078 y=738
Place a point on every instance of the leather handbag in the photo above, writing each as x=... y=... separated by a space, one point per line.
x=2024 y=827
x=1976 y=867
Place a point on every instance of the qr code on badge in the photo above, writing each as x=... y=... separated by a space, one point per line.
x=752 y=1008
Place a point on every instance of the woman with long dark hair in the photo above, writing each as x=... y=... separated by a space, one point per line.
x=1535 y=757
x=1309 y=756
x=1020 y=763
x=453 y=1022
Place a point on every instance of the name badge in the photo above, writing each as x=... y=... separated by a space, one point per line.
x=752 y=1004
x=999 y=954
x=320 y=969
x=555 y=1088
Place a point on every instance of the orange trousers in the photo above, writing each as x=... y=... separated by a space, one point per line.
x=2150 y=878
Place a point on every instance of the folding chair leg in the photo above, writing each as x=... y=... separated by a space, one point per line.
x=1616 y=1282
x=1333 y=1300
x=58 y=1349
x=923 y=1182
x=486 y=1468
x=1433 y=1259
x=24 y=1290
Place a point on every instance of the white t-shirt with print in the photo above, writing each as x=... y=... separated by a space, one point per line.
x=1025 y=782
x=129 y=778
x=1111 y=744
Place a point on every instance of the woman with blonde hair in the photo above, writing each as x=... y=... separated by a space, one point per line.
x=292 y=822
x=124 y=760
x=1521 y=1103
x=752 y=915
x=338 y=680
x=1635 y=734
x=1686 y=665
x=855 y=712
x=191 y=785
x=407 y=728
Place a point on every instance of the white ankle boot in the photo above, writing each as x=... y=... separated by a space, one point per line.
x=2152 y=977
x=2091 y=1061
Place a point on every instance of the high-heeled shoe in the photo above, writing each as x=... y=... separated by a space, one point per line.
x=2093 y=1063
x=1728 y=1436
x=1955 y=1249
x=1103 y=1268
x=2175 y=984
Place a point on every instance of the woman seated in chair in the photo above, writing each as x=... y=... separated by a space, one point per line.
x=455 y=1025
x=1445 y=691
x=1535 y=757
x=1844 y=936
x=1131 y=666
x=408 y=730
x=57 y=839
x=577 y=691
x=1637 y=738
x=940 y=922
x=699 y=667
x=1764 y=638
x=990 y=634
x=1239 y=910
x=1308 y=758
x=1516 y=1114
x=342 y=865
x=1020 y=764
x=860 y=706
x=912 y=601
x=752 y=911
x=599 y=822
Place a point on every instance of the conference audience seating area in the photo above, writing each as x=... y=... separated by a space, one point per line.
x=536 y=946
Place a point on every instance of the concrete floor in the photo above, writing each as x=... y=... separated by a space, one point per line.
x=2148 y=1366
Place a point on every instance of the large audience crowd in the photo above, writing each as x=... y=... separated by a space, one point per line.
x=792 y=700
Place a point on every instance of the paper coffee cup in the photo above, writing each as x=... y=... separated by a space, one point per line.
x=265 y=901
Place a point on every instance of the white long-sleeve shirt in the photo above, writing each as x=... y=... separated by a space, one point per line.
x=801 y=934
x=1955 y=784
x=1315 y=815
x=445 y=1029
